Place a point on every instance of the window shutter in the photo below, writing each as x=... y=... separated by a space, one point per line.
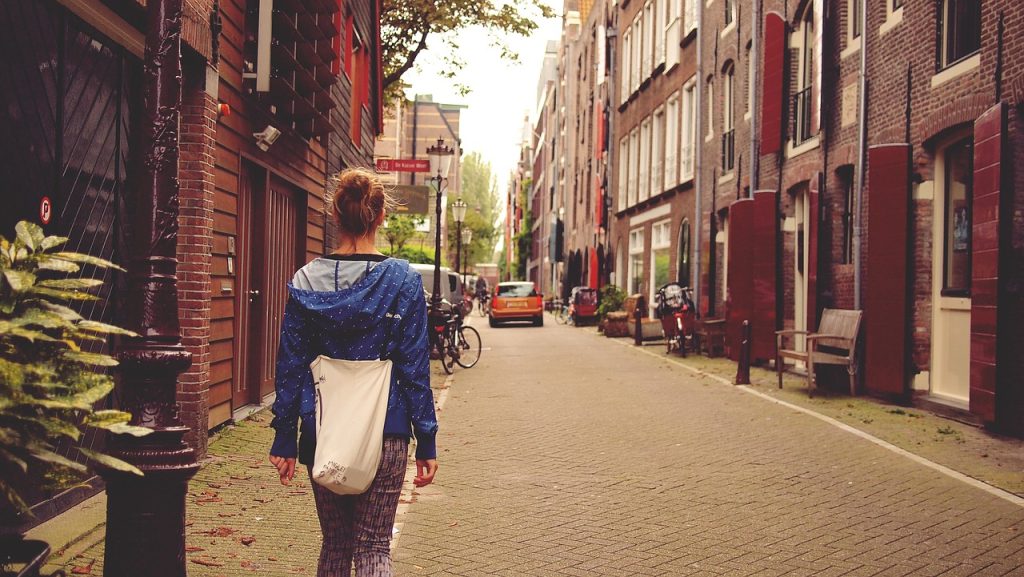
x=991 y=221
x=740 y=277
x=885 y=295
x=772 y=83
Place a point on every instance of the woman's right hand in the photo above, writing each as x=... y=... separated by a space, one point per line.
x=285 y=468
x=425 y=471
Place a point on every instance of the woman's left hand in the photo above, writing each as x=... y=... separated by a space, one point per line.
x=285 y=468
x=425 y=471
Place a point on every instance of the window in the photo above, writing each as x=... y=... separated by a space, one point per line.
x=623 y=171
x=636 y=261
x=853 y=18
x=648 y=45
x=688 y=149
x=626 y=58
x=959 y=30
x=661 y=254
x=644 y=190
x=671 y=141
x=845 y=174
x=804 y=39
x=896 y=5
x=689 y=16
x=730 y=12
x=634 y=166
x=660 y=24
x=658 y=152
x=728 y=129
x=750 y=82
x=711 y=108
x=958 y=184
x=638 y=49
x=683 y=268
x=673 y=27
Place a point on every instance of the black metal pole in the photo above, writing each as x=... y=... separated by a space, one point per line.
x=743 y=367
x=435 y=298
x=458 y=246
x=146 y=515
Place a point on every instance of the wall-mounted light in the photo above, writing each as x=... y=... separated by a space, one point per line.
x=266 y=137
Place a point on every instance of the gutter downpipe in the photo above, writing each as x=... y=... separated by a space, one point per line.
x=752 y=95
x=698 y=143
x=861 y=152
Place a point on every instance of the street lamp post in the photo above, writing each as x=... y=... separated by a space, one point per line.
x=440 y=161
x=467 y=237
x=459 y=214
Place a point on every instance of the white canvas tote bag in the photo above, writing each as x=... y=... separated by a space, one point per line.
x=351 y=404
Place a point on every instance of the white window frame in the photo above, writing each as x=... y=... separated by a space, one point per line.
x=644 y=191
x=711 y=110
x=634 y=165
x=625 y=80
x=658 y=151
x=688 y=133
x=729 y=109
x=623 y=171
x=638 y=37
x=661 y=239
x=636 y=247
x=660 y=19
x=673 y=31
x=647 y=63
x=689 y=16
x=672 y=141
x=852 y=19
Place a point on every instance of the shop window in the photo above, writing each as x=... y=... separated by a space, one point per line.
x=661 y=245
x=959 y=30
x=958 y=184
x=636 y=261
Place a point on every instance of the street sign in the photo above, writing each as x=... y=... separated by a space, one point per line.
x=403 y=165
x=45 y=210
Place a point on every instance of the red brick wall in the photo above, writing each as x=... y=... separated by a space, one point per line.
x=195 y=246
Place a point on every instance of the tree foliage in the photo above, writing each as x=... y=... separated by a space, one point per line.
x=49 y=381
x=479 y=192
x=400 y=229
x=406 y=26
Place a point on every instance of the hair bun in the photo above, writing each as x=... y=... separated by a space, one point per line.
x=359 y=199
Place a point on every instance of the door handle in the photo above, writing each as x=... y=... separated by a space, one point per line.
x=253 y=295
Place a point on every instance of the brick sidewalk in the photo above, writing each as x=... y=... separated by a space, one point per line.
x=565 y=453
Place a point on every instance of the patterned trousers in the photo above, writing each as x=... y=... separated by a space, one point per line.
x=358 y=527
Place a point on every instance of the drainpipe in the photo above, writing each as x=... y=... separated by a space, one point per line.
x=697 y=180
x=752 y=95
x=862 y=139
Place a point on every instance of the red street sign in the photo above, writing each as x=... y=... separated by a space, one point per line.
x=403 y=165
x=45 y=210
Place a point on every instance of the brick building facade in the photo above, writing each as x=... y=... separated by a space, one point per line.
x=248 y=215
x=905 y=211
x=654 y=96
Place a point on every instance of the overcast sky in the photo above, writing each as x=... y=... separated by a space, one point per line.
x=501 y=94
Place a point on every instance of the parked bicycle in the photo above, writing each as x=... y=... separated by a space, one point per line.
x=451 y=341
x=563 y=312
x=676 y=310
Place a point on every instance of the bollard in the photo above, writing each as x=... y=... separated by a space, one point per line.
x=743 y=368
x=638 y=334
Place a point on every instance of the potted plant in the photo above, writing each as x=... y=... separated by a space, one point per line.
x=49 y=383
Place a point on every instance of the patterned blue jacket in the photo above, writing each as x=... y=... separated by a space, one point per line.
x=382 y=315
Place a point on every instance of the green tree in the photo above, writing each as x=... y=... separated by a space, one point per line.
x=407 y=24
x=479 y=192
x=400 y=228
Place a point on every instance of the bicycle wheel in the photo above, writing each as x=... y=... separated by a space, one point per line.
x=447 y=359
x=560 y=316
x=482 y=307
x=469 y=347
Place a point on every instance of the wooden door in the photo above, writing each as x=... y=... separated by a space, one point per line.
x=280 y=259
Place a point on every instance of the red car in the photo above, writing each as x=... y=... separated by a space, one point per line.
x=516 y=301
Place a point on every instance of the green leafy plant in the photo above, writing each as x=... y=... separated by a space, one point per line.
x=49 y=385
x=610 y=300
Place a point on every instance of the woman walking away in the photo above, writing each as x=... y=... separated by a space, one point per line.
x=354 y=304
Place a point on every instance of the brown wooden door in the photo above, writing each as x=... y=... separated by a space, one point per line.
x=271 y=245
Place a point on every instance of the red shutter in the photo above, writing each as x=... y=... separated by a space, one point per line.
x=765 y=225
x=812 y=230
x=989 y=217
x=772 y=80
x=740 y=261
x=886 y=302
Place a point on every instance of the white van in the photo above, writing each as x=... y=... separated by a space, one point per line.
x=451 y=287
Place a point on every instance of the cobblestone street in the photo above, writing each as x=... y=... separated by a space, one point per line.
x=568 y=454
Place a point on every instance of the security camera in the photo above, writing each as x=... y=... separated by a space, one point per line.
x=266 y=137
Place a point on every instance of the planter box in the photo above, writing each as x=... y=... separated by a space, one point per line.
x=616 y=324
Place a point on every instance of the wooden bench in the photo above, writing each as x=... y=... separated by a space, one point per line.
x=835 y=343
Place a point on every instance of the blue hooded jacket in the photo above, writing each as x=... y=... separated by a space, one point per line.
x=381 y=315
